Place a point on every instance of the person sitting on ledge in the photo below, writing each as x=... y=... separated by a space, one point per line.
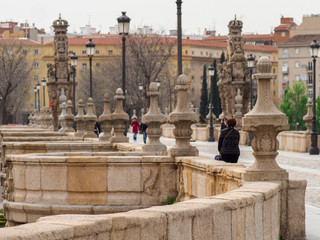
x=228 y=145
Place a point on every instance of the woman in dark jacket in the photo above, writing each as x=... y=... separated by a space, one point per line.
x=228 y=145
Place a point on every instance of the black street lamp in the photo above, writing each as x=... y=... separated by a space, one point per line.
x=211 y=72
x=35 y=97
x=250 y=61
x=140 y=91
x=38 y=91
x=314 y=150
x=44 y=83
x=123 y=29
x=179 y=32
x=74 y=62
x=90 y=52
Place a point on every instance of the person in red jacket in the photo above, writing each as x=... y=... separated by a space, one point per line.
x=135 y=128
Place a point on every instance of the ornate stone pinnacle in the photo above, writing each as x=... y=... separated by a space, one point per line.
x=265 y=122
x=79 y=119
x=90 y=118
x=105 y=119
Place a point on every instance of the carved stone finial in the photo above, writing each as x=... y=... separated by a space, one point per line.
x=182 y=118
x=264 y=65
x=308 y=117
x=119 y=118
x=69 y=118
x=90 y=118
x=105 y=119
x=79 y=119
x=154 y=119
x=265 y=122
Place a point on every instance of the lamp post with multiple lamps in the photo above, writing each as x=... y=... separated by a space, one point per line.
x=140 y=97
x=314 y=150
x=44 y=83
x=211 y=72
x=38 y=91
x=250 y=61
x=35 y=98
x=123 y=28
x=74 y=62
x=90 y=52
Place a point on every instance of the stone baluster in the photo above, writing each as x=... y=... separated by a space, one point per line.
x=90 y=118
x=105 y=119
x=154 y=119
x=69 y=118
x=182 y=118
x=238 y=107
x=119 y=118
x=265 y=122
x=63 y=107
x=308 y=117
x=79 y=120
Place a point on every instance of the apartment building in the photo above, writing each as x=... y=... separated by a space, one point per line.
x=295 y=63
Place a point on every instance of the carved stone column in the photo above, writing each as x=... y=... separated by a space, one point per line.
x=79 y=120
x=119 y=118
x=154 y=119
x=105 y=119
x=265 y=121
x=90 y=118
x=308 y=117
x=63 y=107
x=238 y=107
x=182 y=118
x=69 y=118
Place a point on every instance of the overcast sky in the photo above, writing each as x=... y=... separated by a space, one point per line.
x=258 y=16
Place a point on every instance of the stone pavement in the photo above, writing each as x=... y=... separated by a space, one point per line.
x=299 y=166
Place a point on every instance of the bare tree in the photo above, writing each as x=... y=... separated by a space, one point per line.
x=14 y=80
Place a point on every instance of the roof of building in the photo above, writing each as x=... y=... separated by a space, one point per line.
x=301 y=40
x=97 y=41
x=245 y=37
x=18 y=41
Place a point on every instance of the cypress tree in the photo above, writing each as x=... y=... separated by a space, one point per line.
x=204 y=97
x=222 y=58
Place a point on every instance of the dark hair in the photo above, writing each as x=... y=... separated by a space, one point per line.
x=231 y=122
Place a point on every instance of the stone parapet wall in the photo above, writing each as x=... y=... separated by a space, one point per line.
x=250 y=212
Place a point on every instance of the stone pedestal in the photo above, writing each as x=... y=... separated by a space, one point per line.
x=90 y=118
x=105 y=119
x=79 y=120
x=119 y=118
x=182 y=118
x=265 y=121
x=154 y=119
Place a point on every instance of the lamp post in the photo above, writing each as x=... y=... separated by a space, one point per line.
x=90 y=52
x=211 y=71
x=35 y=97
x=38 y=91
x=314 y=150
x=179 y=32
x=123 y=28
x=250 y=61
x=74 y=62
x=44 y=83
x=140 y=92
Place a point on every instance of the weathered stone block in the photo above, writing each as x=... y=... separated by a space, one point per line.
x=33 y=177
x=81 y=198
x=124 y=198
x=54 y=197
x=124 y=178
x=54 y=177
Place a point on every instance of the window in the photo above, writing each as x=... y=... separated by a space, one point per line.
x=297 y=77
x=297 y=50
x=36 y=52
x=297 y=64
x=70 y=52
x=36 y=77
x=283 y=34
x=84 y=52
x=285 y=53
x=309 y=68
x=24 y=52
x=186 y=51
x=310 y=79
x=97 y=65
x=192 y=52
x=310 y=93
x=84 y=67
x=110 y=52
x=97 y=52
x=201 y=53
x=303 y=77
x=36 y=65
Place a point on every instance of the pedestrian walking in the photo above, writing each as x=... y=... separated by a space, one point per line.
x=135 y=128
x=228 y=145
x=143 y=128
